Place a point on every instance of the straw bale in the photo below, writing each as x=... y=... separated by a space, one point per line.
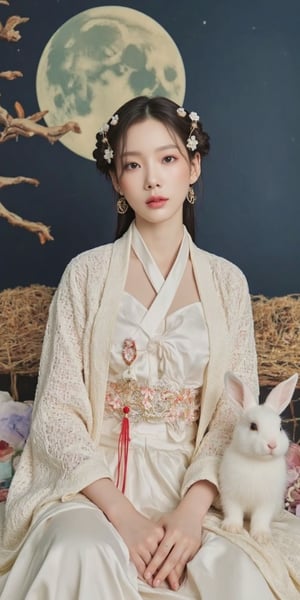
x=277 y=334
x=23 y=317
x=24 y=312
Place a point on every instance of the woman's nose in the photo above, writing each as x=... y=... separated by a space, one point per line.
x=151 y=179
x=152 y=183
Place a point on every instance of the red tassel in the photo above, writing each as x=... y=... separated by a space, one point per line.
x=123 y=447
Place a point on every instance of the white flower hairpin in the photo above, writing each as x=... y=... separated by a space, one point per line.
x=194 y=117
x=108 y=154
x=191 y=142
x=108 y=151
x=181 y=112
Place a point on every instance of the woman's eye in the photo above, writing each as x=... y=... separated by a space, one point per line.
x=169 y=159
x=130 y=166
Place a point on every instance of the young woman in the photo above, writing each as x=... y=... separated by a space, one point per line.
x=116 y=491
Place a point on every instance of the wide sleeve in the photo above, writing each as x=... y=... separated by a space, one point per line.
x=62 y=418
x=242 y=360
x=60 y=457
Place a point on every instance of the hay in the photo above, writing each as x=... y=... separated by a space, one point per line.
x=277 y=334
x=24 y=312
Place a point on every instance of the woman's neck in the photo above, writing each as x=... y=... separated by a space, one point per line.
x=163 y=242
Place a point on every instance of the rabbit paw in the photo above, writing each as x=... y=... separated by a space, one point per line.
x=262 y=536
x=231 y=526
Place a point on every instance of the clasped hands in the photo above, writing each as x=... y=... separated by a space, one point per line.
x=161 y=550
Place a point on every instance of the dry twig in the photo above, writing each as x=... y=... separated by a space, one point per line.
x=8 y=32
x=28 y=126
x=40 y=229
x=4 y=181
x=10 y=75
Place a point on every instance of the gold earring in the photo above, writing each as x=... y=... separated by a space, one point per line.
x=122 y=205
x=191 y=196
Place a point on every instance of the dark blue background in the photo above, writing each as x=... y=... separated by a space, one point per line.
x=242 y=70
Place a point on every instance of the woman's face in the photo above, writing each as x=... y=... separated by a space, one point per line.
x=153 y=172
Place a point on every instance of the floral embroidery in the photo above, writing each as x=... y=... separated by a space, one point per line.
x=152 y=404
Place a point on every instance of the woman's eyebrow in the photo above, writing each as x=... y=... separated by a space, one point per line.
x=158 y=149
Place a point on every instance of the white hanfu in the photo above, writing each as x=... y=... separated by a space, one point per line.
x=72 y=552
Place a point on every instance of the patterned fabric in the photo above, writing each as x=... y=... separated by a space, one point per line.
x=152 y=404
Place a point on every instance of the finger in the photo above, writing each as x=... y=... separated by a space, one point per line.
x=139 y=564
x=176 y=577
x=146 y=556
x=158 y=559
x=176 y=562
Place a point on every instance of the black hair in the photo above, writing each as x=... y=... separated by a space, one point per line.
x=136 y=110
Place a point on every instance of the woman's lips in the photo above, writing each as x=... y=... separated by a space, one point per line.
x=156 y=201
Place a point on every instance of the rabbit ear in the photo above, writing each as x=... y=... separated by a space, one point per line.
x=239 y=391
x=281 y=395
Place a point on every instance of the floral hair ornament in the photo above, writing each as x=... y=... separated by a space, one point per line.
x=108 y=151
x=192 y=141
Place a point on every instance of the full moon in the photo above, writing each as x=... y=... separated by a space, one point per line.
x=99 y=59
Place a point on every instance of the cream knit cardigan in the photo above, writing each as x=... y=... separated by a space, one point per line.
x=62 y=454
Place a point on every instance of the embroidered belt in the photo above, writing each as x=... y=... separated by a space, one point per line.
x=152 y=404
x=130 y=401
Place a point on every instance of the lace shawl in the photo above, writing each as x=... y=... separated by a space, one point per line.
x=62 y=455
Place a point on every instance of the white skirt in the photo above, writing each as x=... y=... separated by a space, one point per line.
x=73 y=552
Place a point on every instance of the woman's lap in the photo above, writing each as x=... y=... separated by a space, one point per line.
x=76 y=553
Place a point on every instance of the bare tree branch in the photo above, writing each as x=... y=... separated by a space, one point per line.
x=28 y=126
x=10 y=75
x=8 y=32
x=40 y=229
x=20 y=112
x=4 y=181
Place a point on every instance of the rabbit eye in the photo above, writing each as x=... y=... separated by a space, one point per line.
x=253 y=426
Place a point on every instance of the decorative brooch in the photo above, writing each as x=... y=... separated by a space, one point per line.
x=129 y=351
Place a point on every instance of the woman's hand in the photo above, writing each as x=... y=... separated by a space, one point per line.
x=182 y=538
x=140 y=535
x=142 y=538
x=181 y=541
x=161 y=550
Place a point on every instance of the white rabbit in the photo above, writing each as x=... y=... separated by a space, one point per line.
x=253 y=468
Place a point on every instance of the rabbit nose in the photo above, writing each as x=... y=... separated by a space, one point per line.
x=272 y=445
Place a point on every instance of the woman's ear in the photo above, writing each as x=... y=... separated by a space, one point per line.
x=195 y=168
x=115 y=182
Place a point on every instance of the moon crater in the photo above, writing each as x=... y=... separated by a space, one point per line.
x=99 y=59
